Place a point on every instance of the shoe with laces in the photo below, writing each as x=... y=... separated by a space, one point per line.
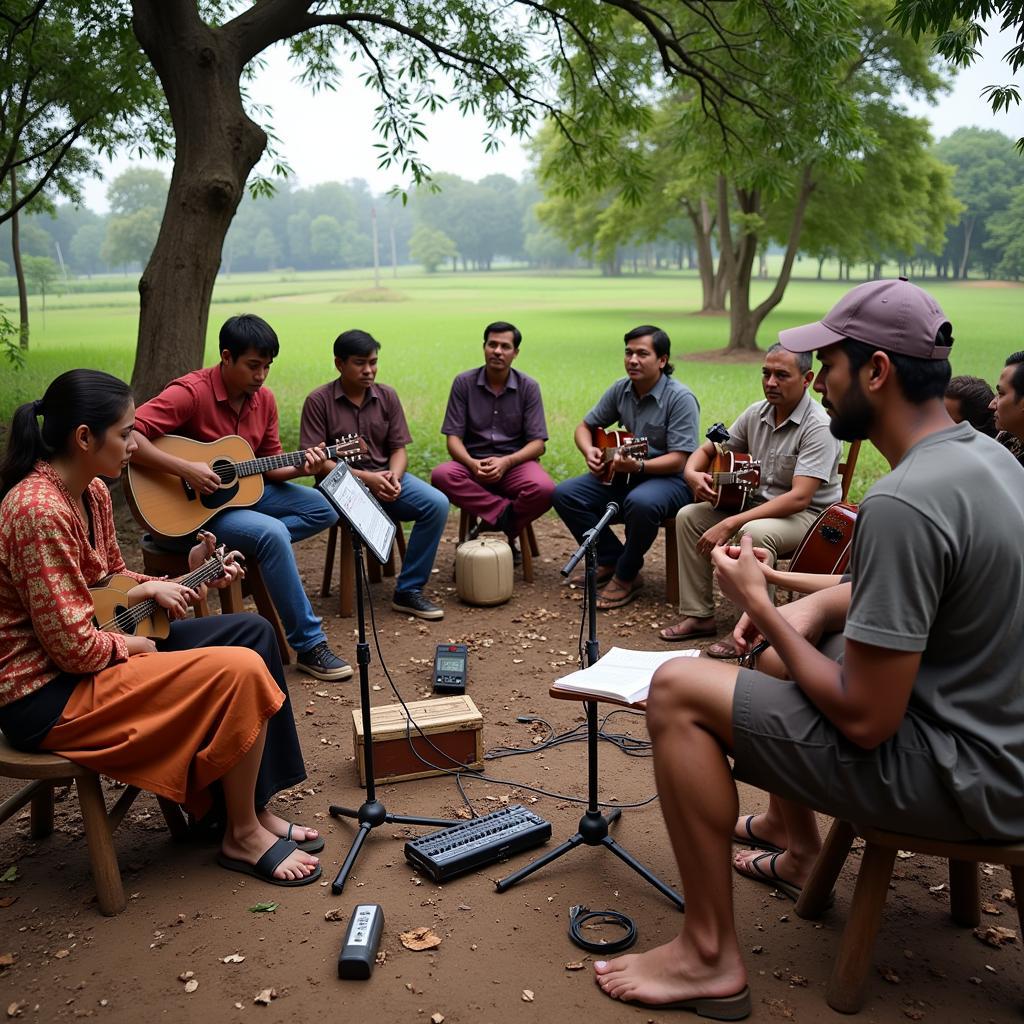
x=322 y=663
x=412 y=602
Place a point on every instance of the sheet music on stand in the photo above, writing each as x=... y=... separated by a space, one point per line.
x=353 y=500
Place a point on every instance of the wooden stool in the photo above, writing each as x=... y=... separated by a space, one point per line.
x=845 y=991
x=158 y=561
x=527 y=541
x=347 y=569
x=49 y=770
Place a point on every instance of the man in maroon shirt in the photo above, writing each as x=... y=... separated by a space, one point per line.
x=495 y=429
x=230 y=398
x=356 y=404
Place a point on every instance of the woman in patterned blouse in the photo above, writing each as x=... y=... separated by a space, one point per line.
x=206 y=709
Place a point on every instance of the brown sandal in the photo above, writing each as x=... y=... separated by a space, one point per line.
x=671 y=634
x=618 y=597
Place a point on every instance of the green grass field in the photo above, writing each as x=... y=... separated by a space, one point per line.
x=572 y=326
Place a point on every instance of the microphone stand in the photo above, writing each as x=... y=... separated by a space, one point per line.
x=593 y=826
x=372 y=812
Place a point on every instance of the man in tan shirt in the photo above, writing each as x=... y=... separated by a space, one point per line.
x=788 y=433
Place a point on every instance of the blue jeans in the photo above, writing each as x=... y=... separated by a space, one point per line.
x=265 y=531
x=644 y=503
x=427 y=509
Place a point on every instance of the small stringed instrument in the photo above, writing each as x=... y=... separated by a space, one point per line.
x=828 y=542
x=113 y=613
x=169 y=506
x=617 y=442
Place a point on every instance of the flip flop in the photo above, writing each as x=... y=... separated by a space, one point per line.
x=669 y=634
x=769 y=876
x=264 y=867
x=603 y=575
x=751 y=839
x=306 y=845
x=606 y=604
x=723 y=649
x=735 y=1007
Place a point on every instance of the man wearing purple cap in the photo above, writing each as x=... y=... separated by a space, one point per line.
x=900 y=708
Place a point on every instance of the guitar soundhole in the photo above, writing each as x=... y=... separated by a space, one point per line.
x=832 y=534
x=225 y=470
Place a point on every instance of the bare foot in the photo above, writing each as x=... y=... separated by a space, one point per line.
x=279 y=827
x=669 y=973
x=689 y=628
x=761 y=828
x=250 y=845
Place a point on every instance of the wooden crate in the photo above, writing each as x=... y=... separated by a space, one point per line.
x=453 y=724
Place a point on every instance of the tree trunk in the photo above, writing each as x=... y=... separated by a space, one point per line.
x=821 y=263
x=965 y=255
x=19 y=271
x=744 y=322
x=712 y=288
x=216 y=146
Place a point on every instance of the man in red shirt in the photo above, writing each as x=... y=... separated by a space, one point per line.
x=230 y=398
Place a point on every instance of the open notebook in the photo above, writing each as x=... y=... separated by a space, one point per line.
x=620 y=675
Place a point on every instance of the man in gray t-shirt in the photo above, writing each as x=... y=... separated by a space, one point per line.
x=920 y=727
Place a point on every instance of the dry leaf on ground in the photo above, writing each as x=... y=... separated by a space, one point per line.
x=232 y=958
x=993 y=935
x=527 y=995
x=437 y=1018
x=191 y=985
x=335 y=914
x=14 y=1009
x=6 y=959
x=419 y=939
x=263 y=997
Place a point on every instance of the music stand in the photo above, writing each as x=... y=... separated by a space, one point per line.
x=594 y=825
x=371 y=526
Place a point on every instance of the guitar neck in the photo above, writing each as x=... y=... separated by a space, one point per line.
x=250 y=467
x=127 y=620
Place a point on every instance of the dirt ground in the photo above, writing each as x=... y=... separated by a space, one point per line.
x=502 y=957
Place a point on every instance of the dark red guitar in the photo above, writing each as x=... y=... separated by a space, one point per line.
x=828 y=542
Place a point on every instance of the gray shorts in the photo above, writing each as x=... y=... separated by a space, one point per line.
x=785 y=745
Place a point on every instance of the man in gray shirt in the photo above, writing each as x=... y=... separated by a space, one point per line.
x=920 y=726
x=788 y=435
x=650 y=404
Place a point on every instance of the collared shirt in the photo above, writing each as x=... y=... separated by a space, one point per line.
x=491 y=424
x=668 y=415
x=328 y=413
x=48 y=561
x=197 y=406
x=802 y=445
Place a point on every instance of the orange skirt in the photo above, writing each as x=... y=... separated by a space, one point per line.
x=170 y=723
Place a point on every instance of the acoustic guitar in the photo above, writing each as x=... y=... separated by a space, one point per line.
x=113 y=613
x=828 y=542
x=735 y=477
x=171 y=507
x=617 y=442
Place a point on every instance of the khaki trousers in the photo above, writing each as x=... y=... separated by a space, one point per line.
x=779 y=536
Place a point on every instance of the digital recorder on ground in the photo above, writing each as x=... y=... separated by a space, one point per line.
x=450 y=668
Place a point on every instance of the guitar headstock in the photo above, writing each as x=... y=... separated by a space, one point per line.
x=349 y=448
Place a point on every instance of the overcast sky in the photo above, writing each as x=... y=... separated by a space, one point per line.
x=330 y=137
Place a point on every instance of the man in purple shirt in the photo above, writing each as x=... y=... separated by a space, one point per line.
x=495 y=429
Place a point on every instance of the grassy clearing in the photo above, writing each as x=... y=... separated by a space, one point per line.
x=572 y=326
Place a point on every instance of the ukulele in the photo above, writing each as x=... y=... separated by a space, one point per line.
x=828 y=542
x=169 y=506
x=113 y=613
x=617 y=442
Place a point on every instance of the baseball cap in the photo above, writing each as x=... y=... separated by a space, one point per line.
x=893 y=315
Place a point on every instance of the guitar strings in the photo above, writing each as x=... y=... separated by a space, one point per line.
x=228 y=471
x=128 y=619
